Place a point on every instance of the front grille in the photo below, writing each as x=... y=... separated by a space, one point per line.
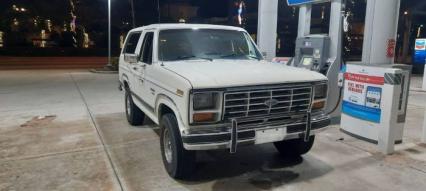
x=285 y=100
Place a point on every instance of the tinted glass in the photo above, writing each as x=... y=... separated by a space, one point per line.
x=147 y=47
x=131 y=43
x=181 y=44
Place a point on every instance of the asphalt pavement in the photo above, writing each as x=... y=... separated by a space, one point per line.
x=66 y=130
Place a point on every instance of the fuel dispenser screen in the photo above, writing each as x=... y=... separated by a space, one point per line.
x=307 y=61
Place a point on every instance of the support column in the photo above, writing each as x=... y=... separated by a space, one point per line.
x=381 y=24
x=335 y=31
x=335 y=34
x=305 y=14
x=267 y=27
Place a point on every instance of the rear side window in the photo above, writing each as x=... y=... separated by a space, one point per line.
x=131 y=43
x=147 y=47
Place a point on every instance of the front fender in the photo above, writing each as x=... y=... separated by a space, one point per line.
x=167 y=101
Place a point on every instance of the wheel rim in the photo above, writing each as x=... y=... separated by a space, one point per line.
x=167 y=146
x=128 y=110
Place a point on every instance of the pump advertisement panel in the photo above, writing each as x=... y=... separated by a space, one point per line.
x=303 y=2
x=420 y=52
x=363 y=93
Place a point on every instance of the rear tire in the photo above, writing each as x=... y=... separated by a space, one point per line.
x=178 y=162
x=134 y=115
x=295 y=147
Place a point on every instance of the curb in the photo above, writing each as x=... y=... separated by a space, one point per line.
x=417 y=90
x=103 y=71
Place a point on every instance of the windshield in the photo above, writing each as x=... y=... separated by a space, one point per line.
x=208 y=44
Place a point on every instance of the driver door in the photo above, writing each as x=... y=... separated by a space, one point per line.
x=140 y=68
x=129 y=56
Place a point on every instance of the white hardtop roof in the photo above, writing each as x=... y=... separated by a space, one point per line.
x=186 y=26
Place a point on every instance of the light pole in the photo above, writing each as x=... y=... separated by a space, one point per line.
x=158 y=9
x=109 y=34
x=132 y=5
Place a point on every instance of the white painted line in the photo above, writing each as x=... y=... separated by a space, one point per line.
x=100 y=136
x=424 y=129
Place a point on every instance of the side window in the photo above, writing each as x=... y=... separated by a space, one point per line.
x=147 y=48
x=131 y=43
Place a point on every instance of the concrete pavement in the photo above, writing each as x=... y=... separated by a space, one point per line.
x=66 y=130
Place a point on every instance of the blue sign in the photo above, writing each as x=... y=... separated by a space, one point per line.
x=420 y=52
x=302 y=2
x=362 y=112
x=370 y=111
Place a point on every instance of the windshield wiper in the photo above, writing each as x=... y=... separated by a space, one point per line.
x=237 y=55
x=232 y=55
x=190 y=57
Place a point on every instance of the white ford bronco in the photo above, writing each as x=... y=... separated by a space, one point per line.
x=208 y=87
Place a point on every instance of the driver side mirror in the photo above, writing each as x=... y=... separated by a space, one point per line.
x=131 y=58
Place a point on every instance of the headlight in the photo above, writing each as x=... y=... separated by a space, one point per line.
x=205 y=101
x=206 y=107
x=321 y=91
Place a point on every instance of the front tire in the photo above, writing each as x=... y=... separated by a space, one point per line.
x=178 y=162
x=134 y=115
x=295 y=147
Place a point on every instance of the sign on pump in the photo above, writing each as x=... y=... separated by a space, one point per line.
x=363 y=95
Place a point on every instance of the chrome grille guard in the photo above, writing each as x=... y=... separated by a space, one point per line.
x=281 y=101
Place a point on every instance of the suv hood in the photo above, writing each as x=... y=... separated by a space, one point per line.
x=234 y=73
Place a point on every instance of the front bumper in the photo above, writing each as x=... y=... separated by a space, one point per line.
x=229 y=135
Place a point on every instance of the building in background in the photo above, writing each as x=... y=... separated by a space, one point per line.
x=1 y=39
x=58 y=28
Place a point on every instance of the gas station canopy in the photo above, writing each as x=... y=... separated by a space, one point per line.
x=302 y=2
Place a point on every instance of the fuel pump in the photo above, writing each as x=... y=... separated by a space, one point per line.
x=321 y=52
x=376 y=89
x=312 y=52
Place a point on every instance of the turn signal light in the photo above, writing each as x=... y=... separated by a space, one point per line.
x=318 y=105
x=203 y=117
